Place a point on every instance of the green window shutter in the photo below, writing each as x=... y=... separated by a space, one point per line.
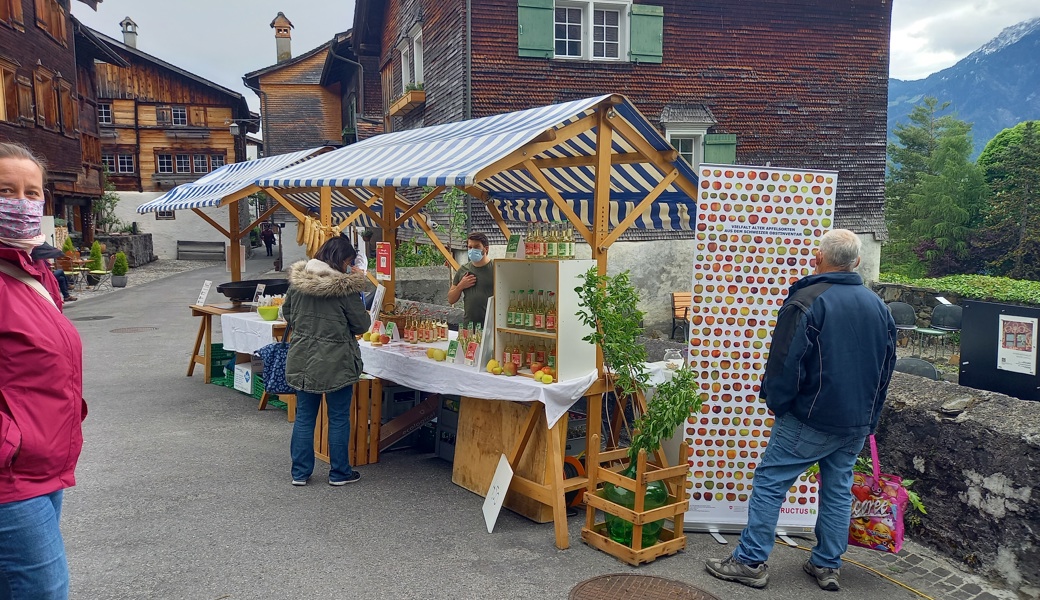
x=646 y=43
x=535 y=31
x=720 y=148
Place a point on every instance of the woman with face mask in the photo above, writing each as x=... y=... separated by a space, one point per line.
x=41 y=392
x=474 y=281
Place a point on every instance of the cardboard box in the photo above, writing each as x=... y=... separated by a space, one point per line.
x=244 y=378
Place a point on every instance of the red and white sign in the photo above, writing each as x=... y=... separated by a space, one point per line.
x=756 y=232
x=384 y=261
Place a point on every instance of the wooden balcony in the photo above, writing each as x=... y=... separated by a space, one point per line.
x=410 y=101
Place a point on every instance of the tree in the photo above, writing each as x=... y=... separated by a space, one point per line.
x=105 y=218
x=934 y=195
x=1010 y=238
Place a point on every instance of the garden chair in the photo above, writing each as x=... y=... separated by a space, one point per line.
x=104 y=277
x=916 y=366
x=946 y=320
x=905 y=318
x=680 y=313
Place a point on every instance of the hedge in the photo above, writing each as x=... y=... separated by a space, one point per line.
x=979 y=287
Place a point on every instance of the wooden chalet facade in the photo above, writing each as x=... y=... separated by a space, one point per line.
x=162 y=126
x=47 y=64
x=792 y=83
x=326 y=96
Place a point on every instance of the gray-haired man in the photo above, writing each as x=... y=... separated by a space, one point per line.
x=826 y=379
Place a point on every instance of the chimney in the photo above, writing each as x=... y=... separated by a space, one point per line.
x=129 y=32
x=282 y=36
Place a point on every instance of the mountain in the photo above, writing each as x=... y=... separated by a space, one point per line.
x=995 y=87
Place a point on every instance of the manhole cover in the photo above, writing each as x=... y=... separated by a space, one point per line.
x=643 y=587
x=133 y=329
x=94 y=318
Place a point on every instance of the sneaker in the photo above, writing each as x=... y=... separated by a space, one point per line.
x=729 y=569
x=826 y=578
x=70 y=299
x=299 y=482
x=354 y=476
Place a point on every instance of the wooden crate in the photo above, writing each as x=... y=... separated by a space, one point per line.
x=670 y=541
x=365 y=415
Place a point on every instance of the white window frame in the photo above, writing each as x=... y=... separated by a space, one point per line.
x=588 y=7
x=213 y=159
x=204 y=168
x=417 y=55
x=689 y=130
x=104 y=113
x=187 y=163
x=165 y=215
x=178 y=111
x=108 y=161
x=129 y=160
x=164 y=163
x=405 y=48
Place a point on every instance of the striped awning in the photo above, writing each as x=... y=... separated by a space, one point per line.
x=211 y=190
x=343 y=208
x=454 y=154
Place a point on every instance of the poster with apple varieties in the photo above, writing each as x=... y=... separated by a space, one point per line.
x=756 y=232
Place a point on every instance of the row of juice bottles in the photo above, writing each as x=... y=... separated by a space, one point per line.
x=530 y=311
x=549 y=240
x=524 y=352
x=470 y=332
x=425 y=329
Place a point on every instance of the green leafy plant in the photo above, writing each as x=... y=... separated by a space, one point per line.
x=59 y=222
x=980 y=287
x=104 y=209
x=68 y=246
x=415 y=87
x=414 y=254
x=95 y=262
x=670 y=406
x=120 y=266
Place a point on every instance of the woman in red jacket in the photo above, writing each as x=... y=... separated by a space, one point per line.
x=41 y=393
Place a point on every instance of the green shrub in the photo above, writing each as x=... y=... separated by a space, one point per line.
x=96 y=262
x=978 y=287
x=120 y=266
x=68 y=246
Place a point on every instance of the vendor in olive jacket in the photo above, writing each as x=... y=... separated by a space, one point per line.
x=324 y=309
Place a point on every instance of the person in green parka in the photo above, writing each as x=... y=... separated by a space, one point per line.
x=324 y=309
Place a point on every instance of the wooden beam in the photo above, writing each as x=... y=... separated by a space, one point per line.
x=296 y=211
x=249 y=191
x=640 y=208
x=481 y=195
x=325 y=209
x=557 y=199
x=590 y=161
x=267 y=213
x=361 y=204
x=437 y=242
x=535 y=148
x=663 y=160
x=210 y=220
x=234 y=259
x=601 y=187
x=389 y=195
x=418 y=205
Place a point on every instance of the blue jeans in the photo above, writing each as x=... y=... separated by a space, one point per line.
x=793 y=448
x=302 y=445
x=32 y=553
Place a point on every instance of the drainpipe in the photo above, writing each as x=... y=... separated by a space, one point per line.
x=469 y=61
x=263 y=112
x=361 y=80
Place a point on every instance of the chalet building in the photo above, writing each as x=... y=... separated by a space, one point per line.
x=47 y=63
x=162 y=126
x=323 y=97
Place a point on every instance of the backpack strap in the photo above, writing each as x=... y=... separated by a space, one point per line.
x=20 y=275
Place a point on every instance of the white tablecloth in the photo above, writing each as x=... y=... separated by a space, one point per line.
x=407 y=365
x=246 y=332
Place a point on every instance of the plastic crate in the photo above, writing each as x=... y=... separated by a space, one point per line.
x=258 y=386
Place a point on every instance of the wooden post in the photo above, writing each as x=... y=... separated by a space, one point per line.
x=390 y=235
x=601 y=202
x=326 y=206
x=234 y=243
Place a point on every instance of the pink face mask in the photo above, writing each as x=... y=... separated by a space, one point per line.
x=20 y=218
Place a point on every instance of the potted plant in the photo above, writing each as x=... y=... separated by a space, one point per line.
x=632 y=490
x=95 y=263
x=119 y=268
x=68 y=246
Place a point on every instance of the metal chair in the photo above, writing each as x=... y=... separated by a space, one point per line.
x=916 y=366
x=905 y=318
x=946 y=319
x=104 y=277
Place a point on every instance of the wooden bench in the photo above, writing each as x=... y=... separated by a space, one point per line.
x=189 y=250
x=680 y=311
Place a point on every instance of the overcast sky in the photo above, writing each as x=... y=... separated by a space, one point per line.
x=222 y=40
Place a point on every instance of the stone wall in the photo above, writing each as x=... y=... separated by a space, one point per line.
x=138 y=248
x=923 y=299
x=975 y=457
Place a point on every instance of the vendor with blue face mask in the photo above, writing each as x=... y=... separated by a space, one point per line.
x=474 y=281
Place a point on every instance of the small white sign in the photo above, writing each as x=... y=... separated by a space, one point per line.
x=377 y=303
x=1016 y=348
x=259 y=292
x=204 y=293
x=244 y=378
x=496 y=493
x=943 y=300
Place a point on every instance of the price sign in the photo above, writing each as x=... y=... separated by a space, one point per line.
x=391 y=329
x=453 y=350
x=204 y=293
x=384 y=266
x=513 y=247
x=259 y=292
x=496 y=493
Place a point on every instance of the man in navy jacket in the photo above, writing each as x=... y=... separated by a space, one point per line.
x=831 y=358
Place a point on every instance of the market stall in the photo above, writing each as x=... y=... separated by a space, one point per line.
x=595 y=164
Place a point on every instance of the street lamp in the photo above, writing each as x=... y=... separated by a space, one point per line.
x=233 y=125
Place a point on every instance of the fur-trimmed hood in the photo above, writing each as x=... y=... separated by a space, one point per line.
x=316 y=278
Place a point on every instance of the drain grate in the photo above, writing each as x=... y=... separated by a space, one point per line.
x=644 y=587
x=94 y=318
x=133 y=329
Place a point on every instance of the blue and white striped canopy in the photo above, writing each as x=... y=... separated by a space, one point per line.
x=210 y=191
x=343 y=208
x=454 y=154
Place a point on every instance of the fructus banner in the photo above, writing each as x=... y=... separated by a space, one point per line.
x=756 y=232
